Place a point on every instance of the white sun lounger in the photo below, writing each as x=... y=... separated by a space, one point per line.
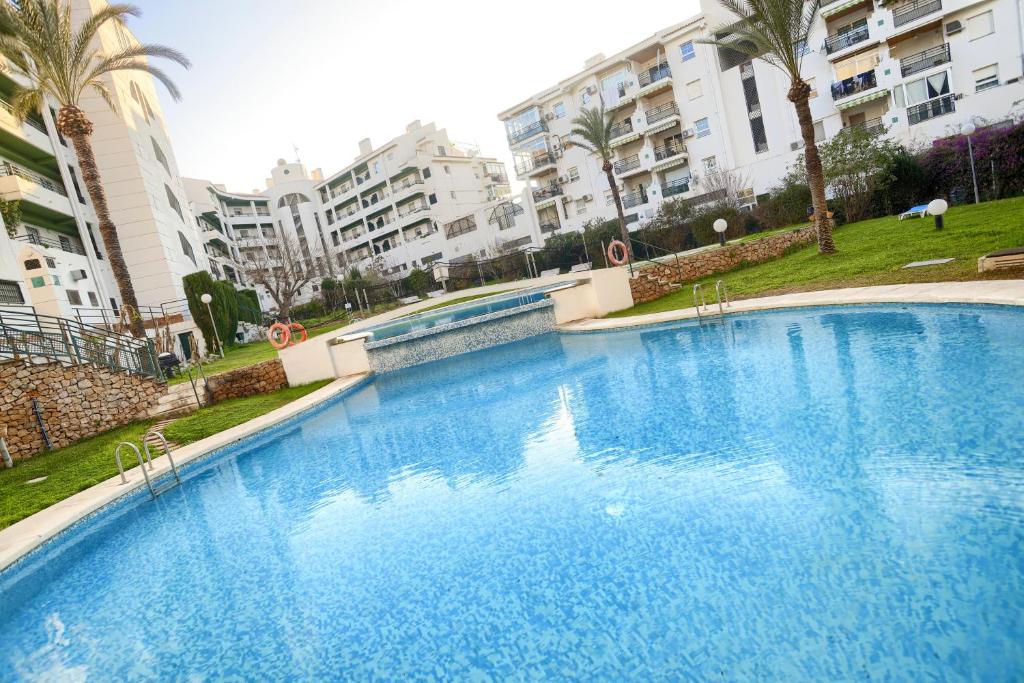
x=915 y=212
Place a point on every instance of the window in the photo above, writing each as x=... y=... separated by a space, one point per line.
x=74 y=181
x=452 y=194
x=703 y=128
x=56 y=280
x=426 y=173
x=93 y=299
x=854 y=66
x=10 y=293
x=813 y=83
x=581 y=207
x=38 y=281
x=819 y=131
x=159 y=153
x=585 y=97
x=800 y=48
x=50 y=263
x=927 y=88
x=694 y=89
x=986 y=77
x=710 y=165
x=686 y=51
x=574 y=174
x=74 y=298
x=980 y=25
x=376 y=170
x=186 y=248
x=33 y=264
x=432 y=198
x=448 y=169
x=65 y=243
x=173 y=201
x=441 y=151
x=559 y=109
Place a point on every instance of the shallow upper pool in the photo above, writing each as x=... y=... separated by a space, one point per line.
x=819 y=494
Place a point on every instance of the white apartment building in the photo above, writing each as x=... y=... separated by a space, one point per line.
x=915 y=70
x=417 y=199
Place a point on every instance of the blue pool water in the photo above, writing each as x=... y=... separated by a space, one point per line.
x=452 y=314
x=821 y=494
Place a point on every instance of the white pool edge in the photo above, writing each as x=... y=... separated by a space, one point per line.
x=26 y=535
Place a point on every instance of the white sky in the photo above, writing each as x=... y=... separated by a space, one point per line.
x=323 y=74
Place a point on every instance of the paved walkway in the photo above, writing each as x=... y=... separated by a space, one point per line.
x=1008 y=292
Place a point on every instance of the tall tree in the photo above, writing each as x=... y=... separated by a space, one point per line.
x=61 y=62
x=777 y=31
x=283 y=267
x=592 y=130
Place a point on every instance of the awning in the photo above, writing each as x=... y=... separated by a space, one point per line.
x=625 y=139
x=663 y=125
x=677 y=160
x=857 y=101
x=545 y=202
x=655 y=87
x=839 y=7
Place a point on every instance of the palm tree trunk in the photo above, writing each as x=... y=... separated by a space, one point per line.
x=799 y=95
x=623 y=230
x=78 y=129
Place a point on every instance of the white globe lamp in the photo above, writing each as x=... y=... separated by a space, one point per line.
x=720 y=227
x=937 y=207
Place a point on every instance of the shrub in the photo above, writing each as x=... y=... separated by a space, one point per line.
x=248 y=306
x=226 y=312
x=199 y=283
x=418 y=282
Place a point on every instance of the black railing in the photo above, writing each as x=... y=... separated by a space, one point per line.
x=654 y=74
x=925 y=59
x=856 y=84
x=498 y=178
x=662 y=112
x=669 y=150
x=621 y=128
x=914 y=10
x=38 y=125
x=546 y=192
x=871 y=126
x=26 y=335
x=930 y=109
x=9 y=169
x=71 y=247
x=527 y=132
x=674 y=187
x=843 y=40
x=534 y=162
x=549 y=226
x=627 y=164
x=634 y=199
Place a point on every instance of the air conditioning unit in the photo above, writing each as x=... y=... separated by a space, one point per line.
x=587 y=197
x=562 y=179
x=794 y=146
x=591 y=90
x=77 y=275
x=549 y=116
x=688 y=133
x=566 y=199
x=954 y=27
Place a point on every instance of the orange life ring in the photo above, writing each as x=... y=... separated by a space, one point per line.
x=297 y=327
x=611 y=252
x=283 y=338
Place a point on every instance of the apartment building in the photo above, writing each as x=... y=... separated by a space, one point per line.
x=418 y=198
x=687 y=114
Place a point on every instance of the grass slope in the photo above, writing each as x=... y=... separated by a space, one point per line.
x=873 y=252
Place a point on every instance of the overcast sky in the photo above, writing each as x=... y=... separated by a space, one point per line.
x=322 y=74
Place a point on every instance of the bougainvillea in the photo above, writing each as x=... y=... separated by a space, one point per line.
x=998 y=162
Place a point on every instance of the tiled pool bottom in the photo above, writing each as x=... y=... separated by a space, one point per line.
x=822 y=494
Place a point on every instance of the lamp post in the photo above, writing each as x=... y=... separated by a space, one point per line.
x=720 y=227
x=969 y=130
x=937 y=207
x=206 y=299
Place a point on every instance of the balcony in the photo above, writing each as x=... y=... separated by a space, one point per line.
x=411 y=210
x=930 y=109
x=17 y=182
x=549 y=225
x=675 y=187
x=669 y=150
x=915 y=10
x=31 y=130
x=872 y=127
x=65 y=244
x=862 y=82
x=924 y=60
x=662 y=112
x=634 y=199
x=542 y=194
x=625 y=165
x=535 y=164
x=496 y=178
x=655 y=74
x=846 y=39
x=535 y=128
x=621 y=128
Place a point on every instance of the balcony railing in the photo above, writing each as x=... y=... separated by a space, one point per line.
x=872 y=126
x=930 y=109
x=7 y=168
x=546 y=192
x=71 y=247
x=662 y=112
x=497 y=178
x=38 y=125
x=534 y=162
x=410 y=210
x=654 y=74
x=621 y=128
x=669 y=150
x=549 y=226
x=925 y=59
x=628 y=164
x=527 y=132
x=856 y=84
x=914 y=10
x=843 y=40
x=675 y=187
x=634 y=199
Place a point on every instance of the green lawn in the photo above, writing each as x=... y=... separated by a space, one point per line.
x=873 y=252
x=90 y=461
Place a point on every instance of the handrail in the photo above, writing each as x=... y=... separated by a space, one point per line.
x=628 y=164
x=654 y=74
x=621 y=128
x=142 y=465
x=662 y=112
x=167 y=451
x=647 y=254
x=925 y=59
x=38 y=125
x=9 y=169
x=914 y=10
x=720 y=288
x=71 y=248
x=841 y=41
x=698 y=287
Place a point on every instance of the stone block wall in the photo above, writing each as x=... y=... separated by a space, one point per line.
x=75 y=401
x=261 y=378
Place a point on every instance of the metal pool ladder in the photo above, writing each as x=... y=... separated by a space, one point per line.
x=721 y=292
x=154 y=492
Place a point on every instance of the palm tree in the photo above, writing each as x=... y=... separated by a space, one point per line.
x=42 y=45
x=592 y=130
x=776 y=31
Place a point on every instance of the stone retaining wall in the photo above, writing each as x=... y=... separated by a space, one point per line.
x=75 y=401
x=261 y=378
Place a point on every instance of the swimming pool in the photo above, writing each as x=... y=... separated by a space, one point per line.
x=814 y=494
x=456 y=313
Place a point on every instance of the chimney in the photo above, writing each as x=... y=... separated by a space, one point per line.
x=365 y=147
x=415 y=125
